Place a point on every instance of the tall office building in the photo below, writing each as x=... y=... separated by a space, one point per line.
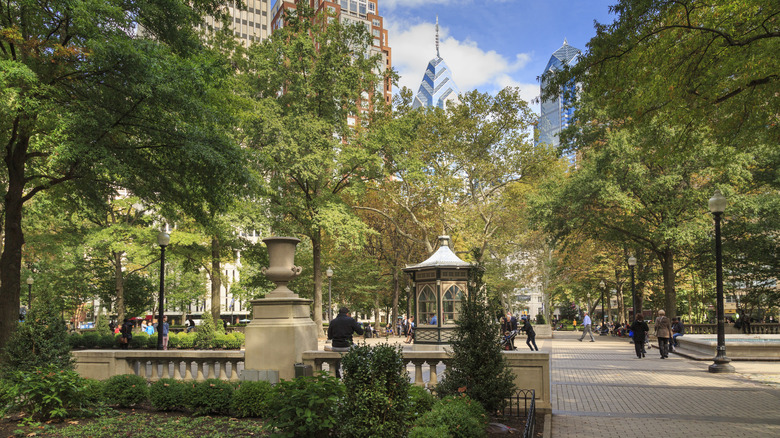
x=556 y=114
x=251 y=24
x=363 y=12
x=437 y=86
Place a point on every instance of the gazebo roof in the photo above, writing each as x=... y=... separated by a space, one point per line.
x=441 y=258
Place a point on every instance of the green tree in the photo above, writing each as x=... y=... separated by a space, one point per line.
x=311 y=87
x=91 y=104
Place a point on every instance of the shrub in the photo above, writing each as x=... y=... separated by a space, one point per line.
x=94 y=392
x=186 y=340
x=8 y=392
x=49 y=392
x=91 y=340
x=168 y=394
x=478 y=366
x=152 y=341
x=139 y=340
x=228 y=342
x=461 y=416
x=107 y=341
x=126 y=390
x=540 y=319
x=173 y=340
x=240 y=337
x=76 y=340
x=251 y=399
x=102 y=325
x=40 y=341
x=204 y=336
x=420 y=401
x=305 y=406
x=429 y=432
x=212 y=396
x=377 y=401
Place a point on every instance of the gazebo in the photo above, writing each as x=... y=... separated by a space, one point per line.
x=440 y=284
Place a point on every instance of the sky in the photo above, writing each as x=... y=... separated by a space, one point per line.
x=487 y=44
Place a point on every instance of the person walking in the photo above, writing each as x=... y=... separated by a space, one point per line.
x=586 y=328
x=127 y=334
x=409 y=330
x=530 y=334
x=639 y=328
x=663 y=331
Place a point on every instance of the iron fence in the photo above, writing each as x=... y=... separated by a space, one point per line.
x=523 y=404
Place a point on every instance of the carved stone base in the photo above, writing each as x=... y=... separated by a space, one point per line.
x=279 y=333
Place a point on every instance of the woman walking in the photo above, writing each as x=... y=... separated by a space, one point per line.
x=663 y=330
x=639 y=328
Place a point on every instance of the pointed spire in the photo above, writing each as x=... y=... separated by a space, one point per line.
x=565 y=41
x=437 y=37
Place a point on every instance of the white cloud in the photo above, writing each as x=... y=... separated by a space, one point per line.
x=413 y=46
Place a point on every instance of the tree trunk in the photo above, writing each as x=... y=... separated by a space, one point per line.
x=670 y=294
x=316 y=245
x=119 y=284
x=377 y=319
x=216 y=280
x=11 y=258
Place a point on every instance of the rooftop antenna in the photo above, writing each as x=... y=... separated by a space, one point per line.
x=437 y=37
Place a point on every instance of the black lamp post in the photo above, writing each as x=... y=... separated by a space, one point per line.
x=163 y=239
x=29 y=292
x=603 y=315
x=721 y=363
x=329 y=274
x=631 y=264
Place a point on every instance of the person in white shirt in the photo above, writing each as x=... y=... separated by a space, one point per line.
x=586 y=328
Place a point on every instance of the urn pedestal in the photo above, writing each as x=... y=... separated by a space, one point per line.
x=281 y=328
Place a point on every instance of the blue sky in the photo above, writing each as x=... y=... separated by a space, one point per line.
x=488 y=44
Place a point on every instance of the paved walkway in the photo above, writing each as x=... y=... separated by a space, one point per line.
x=602 y=389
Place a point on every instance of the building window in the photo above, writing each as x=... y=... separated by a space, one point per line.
x=372 y=7
x=451 y=304
x=376 y=22
x=426 y=305
x=376 y=32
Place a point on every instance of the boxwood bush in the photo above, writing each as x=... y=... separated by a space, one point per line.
x=91 y=340
x=139 y=340
x=461 y=416
x=168 y=394
x=251 y=399
x=305 y=406
x=126 y=390
x=212 y=396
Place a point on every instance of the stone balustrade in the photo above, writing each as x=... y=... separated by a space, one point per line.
x=530 y=369
x=755 y=328
x=156 y=364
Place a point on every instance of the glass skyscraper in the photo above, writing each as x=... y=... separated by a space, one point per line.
x=557 y=113
x=437 y=86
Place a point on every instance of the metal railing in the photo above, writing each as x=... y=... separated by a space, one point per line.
x=527 y=399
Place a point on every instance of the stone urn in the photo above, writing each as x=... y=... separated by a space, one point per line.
x=281 y=261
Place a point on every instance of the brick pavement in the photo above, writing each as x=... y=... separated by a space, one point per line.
x=601 y=388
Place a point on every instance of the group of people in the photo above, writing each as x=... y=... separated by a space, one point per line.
x=509 y=330
x=666 y=331
x=126 y=330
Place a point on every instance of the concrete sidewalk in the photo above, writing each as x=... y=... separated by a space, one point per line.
x=602 y=389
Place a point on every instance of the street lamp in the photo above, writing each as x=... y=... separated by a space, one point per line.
x=602 y=286
x=29 y=291
x=163 y=239
x=631 y=264
x=329 y=273
x=721 y=363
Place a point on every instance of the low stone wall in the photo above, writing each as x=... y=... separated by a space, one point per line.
x=738 y=347
x=156 y=364
x=531 y=369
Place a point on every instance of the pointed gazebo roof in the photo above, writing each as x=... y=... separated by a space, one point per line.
x=441 y=258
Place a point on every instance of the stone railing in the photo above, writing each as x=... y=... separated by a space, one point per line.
x=531 y=369
x=156 y=364
x=755 y=328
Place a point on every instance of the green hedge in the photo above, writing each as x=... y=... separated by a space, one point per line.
x=141 y=340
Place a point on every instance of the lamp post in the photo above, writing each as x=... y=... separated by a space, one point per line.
x=29 y=291
x=631 y=264
x=603 y=317
x=721 y=364
x=163 y=239
x=329 y=273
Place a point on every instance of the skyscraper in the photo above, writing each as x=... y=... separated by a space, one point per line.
x=251 y=24
x=437 y=86
x=365 y=12
x=557 y=113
